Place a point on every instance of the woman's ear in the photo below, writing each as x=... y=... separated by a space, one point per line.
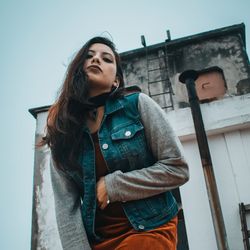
x=116 y=81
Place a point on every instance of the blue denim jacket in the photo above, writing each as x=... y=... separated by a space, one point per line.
x=144 y=162
x=124 y=147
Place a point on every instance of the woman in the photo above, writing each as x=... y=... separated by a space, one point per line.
x=115 y=159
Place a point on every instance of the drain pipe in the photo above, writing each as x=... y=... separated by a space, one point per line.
x=188 y=77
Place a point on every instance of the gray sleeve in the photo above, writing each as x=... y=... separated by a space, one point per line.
x=170 y=170
x=68 y=213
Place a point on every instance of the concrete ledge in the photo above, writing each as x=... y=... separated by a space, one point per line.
x=219 y=116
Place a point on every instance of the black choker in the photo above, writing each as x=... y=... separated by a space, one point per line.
x=77 y=108
x=95 y=102
x=98 y=101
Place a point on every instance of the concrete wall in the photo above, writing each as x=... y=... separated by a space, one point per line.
x=45 y=235
x=225 y=51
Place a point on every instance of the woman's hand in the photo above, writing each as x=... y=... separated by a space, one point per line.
x=101 y=194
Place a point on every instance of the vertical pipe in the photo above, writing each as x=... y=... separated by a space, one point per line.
x=143 y=42
x=188 y=78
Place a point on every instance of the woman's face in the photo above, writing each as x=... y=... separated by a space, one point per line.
x=100 y=67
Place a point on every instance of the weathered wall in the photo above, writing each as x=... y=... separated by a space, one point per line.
x=139 y=71
x=45 y=235
x=135 y=72
x=225 y=51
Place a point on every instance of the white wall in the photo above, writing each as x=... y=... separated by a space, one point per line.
x=228 y=124
x=44 y=232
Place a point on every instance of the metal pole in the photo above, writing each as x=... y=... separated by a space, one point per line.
x=188 y=78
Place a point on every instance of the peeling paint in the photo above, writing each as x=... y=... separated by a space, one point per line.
x=45 y=235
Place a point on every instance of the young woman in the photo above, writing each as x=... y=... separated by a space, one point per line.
x=115 y=159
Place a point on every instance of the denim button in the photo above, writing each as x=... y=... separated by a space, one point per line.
x=105 y=146
x=141 y=227
x=128 y=133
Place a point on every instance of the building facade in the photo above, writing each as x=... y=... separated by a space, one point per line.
x=223 y=88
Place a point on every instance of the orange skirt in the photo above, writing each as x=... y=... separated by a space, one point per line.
x=160 y=238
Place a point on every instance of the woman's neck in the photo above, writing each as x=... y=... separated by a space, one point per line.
x=97 y=91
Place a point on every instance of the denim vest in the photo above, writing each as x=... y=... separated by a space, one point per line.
x=124 y=147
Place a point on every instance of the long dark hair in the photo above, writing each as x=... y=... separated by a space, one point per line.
x=66 y=116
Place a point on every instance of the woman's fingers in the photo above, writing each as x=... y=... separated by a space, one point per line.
x=102 y=198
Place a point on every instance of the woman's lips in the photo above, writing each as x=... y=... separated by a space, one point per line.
x=94 y=67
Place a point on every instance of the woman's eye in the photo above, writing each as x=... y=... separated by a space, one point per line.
x=89 y=56
x=107 y=60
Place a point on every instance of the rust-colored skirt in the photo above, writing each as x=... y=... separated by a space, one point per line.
x=161 y=238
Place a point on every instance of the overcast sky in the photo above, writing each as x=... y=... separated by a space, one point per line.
x=38 y=39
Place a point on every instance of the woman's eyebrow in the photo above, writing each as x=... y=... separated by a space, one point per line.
x=104 y=53
x=107 y=53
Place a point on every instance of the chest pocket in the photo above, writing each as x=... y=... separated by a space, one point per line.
x=130 y=141
x=126 y=132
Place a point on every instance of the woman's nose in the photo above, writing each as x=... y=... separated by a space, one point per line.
x=95 y=59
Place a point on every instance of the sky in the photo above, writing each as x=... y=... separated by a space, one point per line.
x=38 y=40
